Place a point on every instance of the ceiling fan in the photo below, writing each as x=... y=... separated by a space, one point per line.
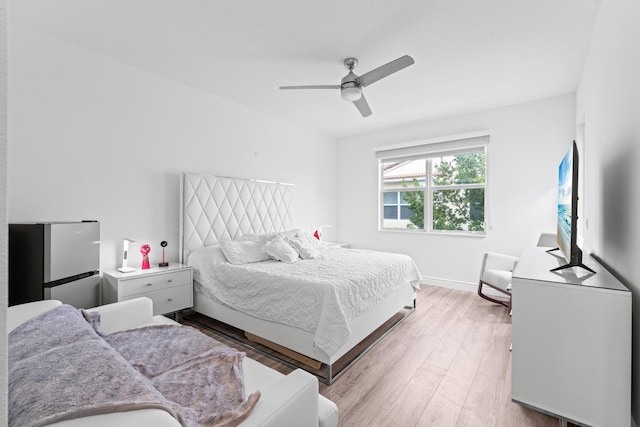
x=351 y=85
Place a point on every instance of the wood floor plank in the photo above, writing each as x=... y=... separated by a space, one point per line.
x=483 y=397
x=410 y=405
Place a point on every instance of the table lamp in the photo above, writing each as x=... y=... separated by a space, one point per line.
x=125 y=253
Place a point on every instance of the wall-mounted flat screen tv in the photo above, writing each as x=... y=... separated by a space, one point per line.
x=567 y=228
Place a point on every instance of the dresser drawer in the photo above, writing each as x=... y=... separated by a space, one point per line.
x=168 y=300
x=151 y=283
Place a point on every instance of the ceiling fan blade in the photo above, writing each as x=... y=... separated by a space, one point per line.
x=384 y=70
x=312 y=87
x=362 y=106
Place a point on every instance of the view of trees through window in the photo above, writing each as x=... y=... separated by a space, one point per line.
x=453 y=197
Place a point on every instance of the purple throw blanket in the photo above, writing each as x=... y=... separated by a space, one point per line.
x=201 y=377
x=60 y=368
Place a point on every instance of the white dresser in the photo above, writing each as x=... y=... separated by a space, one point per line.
x=170 y=288
x=571 y=341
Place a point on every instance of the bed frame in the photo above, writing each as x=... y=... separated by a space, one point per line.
x=215 y=208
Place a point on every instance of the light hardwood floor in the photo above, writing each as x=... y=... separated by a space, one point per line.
x=448 y=364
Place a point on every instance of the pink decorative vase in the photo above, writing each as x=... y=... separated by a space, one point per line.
x=144 y=251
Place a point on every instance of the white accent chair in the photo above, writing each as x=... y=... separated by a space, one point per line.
x=496 y=273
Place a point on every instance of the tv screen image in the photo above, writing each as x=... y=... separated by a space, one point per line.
x=565 y=204
x=567 y=227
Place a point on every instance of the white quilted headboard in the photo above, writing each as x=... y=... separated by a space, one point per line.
x=215 y=208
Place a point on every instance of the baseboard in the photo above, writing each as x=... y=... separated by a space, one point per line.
x=460 y=286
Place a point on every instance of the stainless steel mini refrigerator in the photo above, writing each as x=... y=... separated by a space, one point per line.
x=55 y=260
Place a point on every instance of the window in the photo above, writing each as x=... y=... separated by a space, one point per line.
x=434 y=186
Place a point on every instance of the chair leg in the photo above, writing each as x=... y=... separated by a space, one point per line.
x=488 y=298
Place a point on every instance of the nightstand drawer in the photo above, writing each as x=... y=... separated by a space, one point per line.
x=170 y=288
x=168 y=300
x=152 y=283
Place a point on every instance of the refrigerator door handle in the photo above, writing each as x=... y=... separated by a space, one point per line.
x=69 y=279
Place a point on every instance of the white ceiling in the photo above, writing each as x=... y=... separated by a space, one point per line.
x=469 y=54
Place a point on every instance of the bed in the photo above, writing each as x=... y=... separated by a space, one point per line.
x=321 y=304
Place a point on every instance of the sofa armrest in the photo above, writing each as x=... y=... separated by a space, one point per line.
x=137 y=418
x=18 y=314
x=290 y=401
x=123 y=315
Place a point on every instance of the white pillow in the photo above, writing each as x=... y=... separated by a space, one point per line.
x=306 y=245
x=209 y=254
x=206 y=259
x=259 y=238
x=280 y=250
x=243 y=251
x=290 y=233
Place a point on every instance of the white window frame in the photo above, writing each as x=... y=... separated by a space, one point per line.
x=428 y=150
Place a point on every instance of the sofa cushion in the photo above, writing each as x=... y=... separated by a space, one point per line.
x=18 y=314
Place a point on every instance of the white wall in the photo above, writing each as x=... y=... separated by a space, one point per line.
x=3 y=213
x=607 y=106
x=527 y=143
x=93 y=138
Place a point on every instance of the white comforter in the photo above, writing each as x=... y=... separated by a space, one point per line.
x=318 y=295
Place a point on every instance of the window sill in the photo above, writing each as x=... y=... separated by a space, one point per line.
x=434 y=232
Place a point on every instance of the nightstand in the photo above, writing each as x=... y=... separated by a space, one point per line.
x=170 y=288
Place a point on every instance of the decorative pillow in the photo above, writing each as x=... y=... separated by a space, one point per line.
x=306 y=245
x=259 y=238
x=280 y=250
x=243 y=251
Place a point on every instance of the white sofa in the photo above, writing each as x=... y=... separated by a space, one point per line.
x=286 y=400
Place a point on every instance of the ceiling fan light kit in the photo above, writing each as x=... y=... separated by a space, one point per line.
x=351 y=85
x=350 y=91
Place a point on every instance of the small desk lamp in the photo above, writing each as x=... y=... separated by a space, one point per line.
x=163 y=263
x=125 y=253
